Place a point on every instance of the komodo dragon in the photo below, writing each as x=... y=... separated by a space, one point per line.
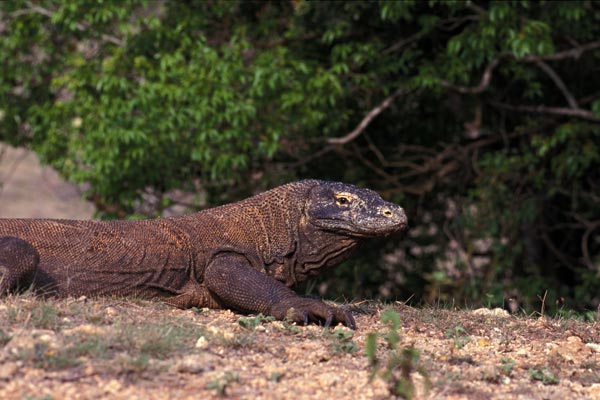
x=244 y=256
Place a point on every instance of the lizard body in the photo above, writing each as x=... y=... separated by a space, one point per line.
x=244 y=255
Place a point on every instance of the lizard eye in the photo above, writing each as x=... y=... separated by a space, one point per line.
x=342 y=201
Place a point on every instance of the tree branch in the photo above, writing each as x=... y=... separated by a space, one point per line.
x=570 y=112
x=487 y=73
x=367 y=119
x=486 y=79
x=557 y=81
x=575 y=52
x=403 y=42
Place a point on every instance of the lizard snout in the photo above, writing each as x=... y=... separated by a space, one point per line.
x=395 y=214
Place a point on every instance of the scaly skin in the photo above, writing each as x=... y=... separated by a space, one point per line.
x=244 y=256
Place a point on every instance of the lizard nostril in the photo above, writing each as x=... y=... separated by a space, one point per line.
x=387 y=212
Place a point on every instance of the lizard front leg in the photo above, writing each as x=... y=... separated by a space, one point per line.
x=18 y=264
x=235 y=284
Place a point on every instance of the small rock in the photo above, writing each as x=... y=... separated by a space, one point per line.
x=111 y=312
x=201 y=343
x=195 y=363
x=494 y=312
x=8 y=370
x=594 y=346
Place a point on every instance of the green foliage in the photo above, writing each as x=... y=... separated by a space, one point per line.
x=492 y=147
x=544 y=375
x=221 y=383
x=459 y=336
x=401 y=361
x=342 y=341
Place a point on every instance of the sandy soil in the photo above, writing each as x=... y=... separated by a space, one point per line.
x=131 y=349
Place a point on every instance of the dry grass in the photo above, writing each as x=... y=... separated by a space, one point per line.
x=116 y=348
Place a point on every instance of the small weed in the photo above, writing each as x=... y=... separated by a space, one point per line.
x=291 y=328
x=276 y=376
x=136 y=363
x=585 y=316
x=401 y=362
x=459 y=336
x=237 y=341
x=544 y=375
x=252 y=322
x=507 y=365
x=342 y=341
x=155 y=340
x=50 y=358
x=4 y=338
x=221 y=383
x=37 y=314
x=94 y=346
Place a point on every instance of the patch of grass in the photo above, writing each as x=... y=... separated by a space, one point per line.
x=137 y=363
x=582 y=316
x=507 y=365
x=56 y=358
x=342 y=341
x=221 y=383
x=91 y=313
x=544 y=375
x=47 y=358
x=155 y=340
x=4 y=338
x=252 y=322
x=35 y=313
x=237 y=341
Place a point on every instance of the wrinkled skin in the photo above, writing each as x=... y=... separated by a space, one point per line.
x=245 y=256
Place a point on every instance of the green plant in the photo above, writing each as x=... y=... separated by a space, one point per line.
x=507 y=365
x=544 y=375
x=459 y=336
x=252 y=322
x=342 y=341
x=4 y=337
x=221 y=383
x=401 y=363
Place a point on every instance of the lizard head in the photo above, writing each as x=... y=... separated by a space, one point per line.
x=352 y=211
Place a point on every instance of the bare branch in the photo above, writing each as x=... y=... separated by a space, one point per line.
x=557 y=81
x=35 y=9
x=486 y=79
x=367 y=119
x=570 y=112
x=487 y=73
x=403 y=42
x=575 y=52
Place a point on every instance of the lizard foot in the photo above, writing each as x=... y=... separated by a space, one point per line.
x=304 y=310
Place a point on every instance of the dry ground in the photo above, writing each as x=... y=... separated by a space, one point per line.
x=132 y=349
x=124 y=349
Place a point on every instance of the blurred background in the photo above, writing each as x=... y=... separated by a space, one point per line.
x=481 y=118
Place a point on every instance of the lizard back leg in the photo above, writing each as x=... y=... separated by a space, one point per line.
x=18 y=264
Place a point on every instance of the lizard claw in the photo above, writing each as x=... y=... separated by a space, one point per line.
x=303 y=310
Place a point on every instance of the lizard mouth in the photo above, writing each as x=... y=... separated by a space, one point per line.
x=374 y=228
